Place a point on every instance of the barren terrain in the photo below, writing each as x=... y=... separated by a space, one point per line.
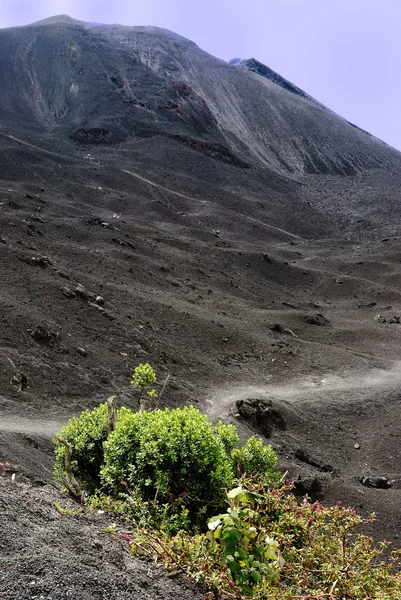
x=159 y=205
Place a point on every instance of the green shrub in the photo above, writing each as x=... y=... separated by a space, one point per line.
x=169 y=455
x=228 y=435
x=86 y=435
x=168 y=467
x=255 y=458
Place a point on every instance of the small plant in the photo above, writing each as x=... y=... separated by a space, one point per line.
x=68 y=511
x=248 y=550
x=142 y=378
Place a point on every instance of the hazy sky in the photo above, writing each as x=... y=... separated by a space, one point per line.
x=345 y=53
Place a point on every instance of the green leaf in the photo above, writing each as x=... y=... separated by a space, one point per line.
x=213 y=524
x=234 y=493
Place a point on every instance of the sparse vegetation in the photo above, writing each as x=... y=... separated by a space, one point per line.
x=267 y=545
x=168 y=472
x=174 y=465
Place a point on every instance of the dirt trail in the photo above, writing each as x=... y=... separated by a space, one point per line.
x=12 y=137
x=217 y=401
x=252 y=219
x=312 y=390
x=31 y=426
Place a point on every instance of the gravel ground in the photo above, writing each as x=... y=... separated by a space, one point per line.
x=48 y=556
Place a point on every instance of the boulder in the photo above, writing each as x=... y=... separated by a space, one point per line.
x=317 y=319
x=379 y=482
x=261 y=414
x=45 y=336
x=313 y=485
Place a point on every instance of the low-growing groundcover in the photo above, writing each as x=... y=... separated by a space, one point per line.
x=269 y=546
x=167 y=465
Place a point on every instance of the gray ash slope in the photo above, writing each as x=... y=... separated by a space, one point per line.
x=217 y=212
x=148 y=91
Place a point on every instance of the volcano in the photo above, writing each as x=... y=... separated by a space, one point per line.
x=160 y=205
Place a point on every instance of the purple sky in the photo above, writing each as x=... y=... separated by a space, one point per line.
x=345 y=53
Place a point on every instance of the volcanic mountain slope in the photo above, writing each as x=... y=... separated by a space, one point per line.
x=160 y=205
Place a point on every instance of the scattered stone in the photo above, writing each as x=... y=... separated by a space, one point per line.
x=82 y=352
x=95 y=220
x=246 y=410
x=62 y=350
x=317 y=319
x=108 y=315
x=119 y=242
x=378 y=482
x=81 y=291
x=290 y=305
x=313 y=485
x=20 y=381
x=2 y=240
x=281 y=329
x=15 y=205
x=45 y=336
x=339 y=281
x=40 y=261
x=381 y=319
x=23 y=382
x=99 y=301
x=99 y=308
x=68 y=292
x=395 y=320
x=37 y=219
x=63 y=275
x=304 y=457
x=356 y=446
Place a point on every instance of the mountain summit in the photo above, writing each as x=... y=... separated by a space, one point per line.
x=58 y=19
x=126 y=90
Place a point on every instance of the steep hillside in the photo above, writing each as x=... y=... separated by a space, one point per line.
x=160 y=205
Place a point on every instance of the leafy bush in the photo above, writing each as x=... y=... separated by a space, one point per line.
x=254 y=457
x=86 y=435
x=170 y=466
x=168 y=455
x=228 y=435
x=250 y=554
